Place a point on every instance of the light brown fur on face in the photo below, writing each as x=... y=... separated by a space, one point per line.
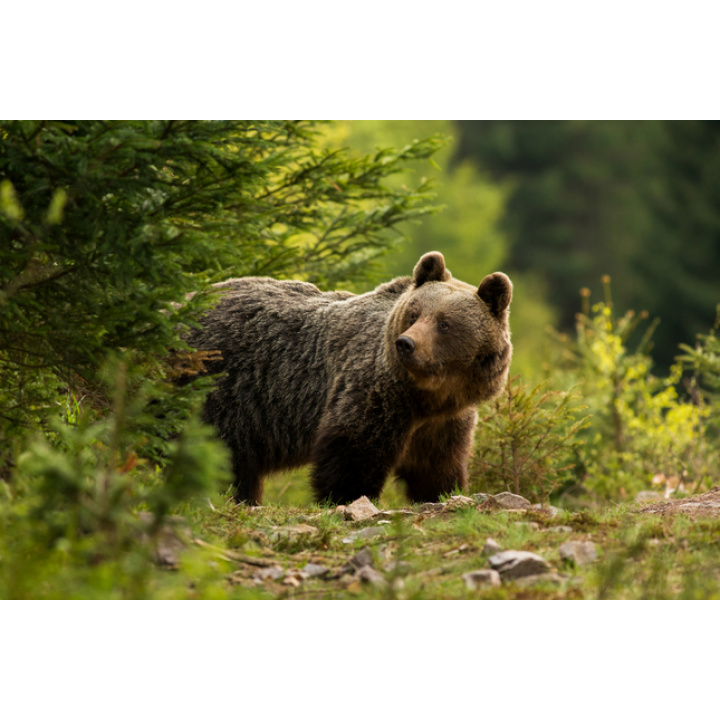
x=359 y=386
x=447 y=338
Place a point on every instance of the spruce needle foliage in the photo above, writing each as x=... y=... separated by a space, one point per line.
x=106 y=228
x=109 y=234
x=526 y=440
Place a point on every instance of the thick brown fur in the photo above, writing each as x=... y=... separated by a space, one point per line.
x=358 y=385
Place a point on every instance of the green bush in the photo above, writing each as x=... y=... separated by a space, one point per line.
x=106 y=227
x=109 y=232
x=526 y=441
x=81 y=498
x=641 y=428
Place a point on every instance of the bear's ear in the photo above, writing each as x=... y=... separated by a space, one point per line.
x=496 y=291
x=430 y=267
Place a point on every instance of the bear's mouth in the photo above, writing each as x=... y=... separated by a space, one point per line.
x=419 y=367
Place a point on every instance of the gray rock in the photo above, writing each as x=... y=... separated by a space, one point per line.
x=491 y=547
x=361 y=509
x=560 y=529
x=578 y=552
x=364 y=534
x=513 y=564
x=480 y=497
x=432 y=507
x=455 y=502
x=550 y=509
x=361 y=559
x=312 y=570
x=550 y=578
x=268 y=573
x=481 y=578
x=368 y=574
x=510 y=500
x=390 y=514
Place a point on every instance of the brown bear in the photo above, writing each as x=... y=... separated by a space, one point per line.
x=358 y=385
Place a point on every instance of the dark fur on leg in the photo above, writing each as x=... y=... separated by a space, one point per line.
x=435 y=461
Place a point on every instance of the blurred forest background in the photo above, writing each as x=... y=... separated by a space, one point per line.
x=610 y=232
x=560 y=204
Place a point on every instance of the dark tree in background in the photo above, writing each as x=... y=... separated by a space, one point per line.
x=639 y=201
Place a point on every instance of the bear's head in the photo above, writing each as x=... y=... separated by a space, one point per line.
x=451 y=338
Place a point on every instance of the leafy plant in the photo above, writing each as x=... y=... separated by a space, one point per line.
x=703 y=361
x=641 y=428
x=82 y=498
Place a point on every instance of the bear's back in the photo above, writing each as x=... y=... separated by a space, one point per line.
x=283 y=344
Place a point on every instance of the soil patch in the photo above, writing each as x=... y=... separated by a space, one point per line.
x=703 y=505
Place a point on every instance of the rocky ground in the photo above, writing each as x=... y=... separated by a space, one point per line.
x=702 y=505
x=495 y=546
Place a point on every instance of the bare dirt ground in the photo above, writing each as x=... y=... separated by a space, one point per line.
x=703 y=505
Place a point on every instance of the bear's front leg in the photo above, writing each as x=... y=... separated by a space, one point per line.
x=436 y=458
x=346 y=467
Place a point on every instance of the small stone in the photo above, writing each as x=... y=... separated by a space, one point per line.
x=432 y=507
x=460 y=549
x=528 y=525
x=368 y=574
x=510 y=500
x=550 y=510
x=312 y=570
x=390 y=514
x=364 y=534
x=268 y=573
x=518 y=563
x=455 y=502
x=550 y=578
x=364 y=557
x=293 y=579
x=560 y=528
x=578 y=552
x=361 y=509
x=480 y=497
x=481 y=578
x=490 y=547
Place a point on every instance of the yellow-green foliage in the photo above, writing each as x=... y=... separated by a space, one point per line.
x=640 y=427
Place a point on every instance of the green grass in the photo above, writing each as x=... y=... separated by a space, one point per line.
x=226 y=547
x=639 y=557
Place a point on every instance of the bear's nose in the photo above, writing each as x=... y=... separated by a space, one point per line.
x=405 y=345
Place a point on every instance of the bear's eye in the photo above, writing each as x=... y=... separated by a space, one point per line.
x=413 y=316
x=444 y=326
